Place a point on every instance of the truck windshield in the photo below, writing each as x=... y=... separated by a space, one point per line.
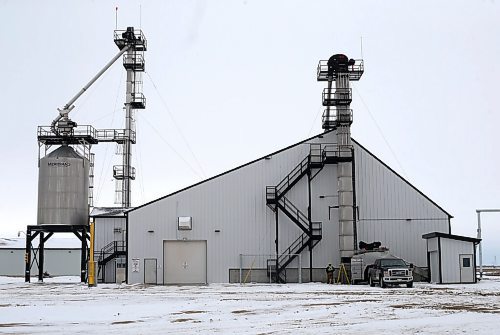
x=392 y=263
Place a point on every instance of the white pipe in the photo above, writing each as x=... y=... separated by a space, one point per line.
x=479 y=211
x=480 y=244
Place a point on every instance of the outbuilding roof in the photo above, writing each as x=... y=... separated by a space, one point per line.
x=52 y=243
x=451 y=237
x=108 y=212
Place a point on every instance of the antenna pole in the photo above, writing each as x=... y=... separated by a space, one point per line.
x=361 y=37
x=116 y=18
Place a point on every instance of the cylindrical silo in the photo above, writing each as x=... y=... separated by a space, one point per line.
x=63 y=186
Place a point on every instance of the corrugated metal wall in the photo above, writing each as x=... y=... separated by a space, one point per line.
x=392 y=211
x=108 y=230
x=450 y=262
x=235 y=204
x=57 y=262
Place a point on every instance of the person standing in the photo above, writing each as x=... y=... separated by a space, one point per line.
x=329 y=273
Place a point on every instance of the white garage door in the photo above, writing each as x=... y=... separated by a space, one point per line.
x=185 y=262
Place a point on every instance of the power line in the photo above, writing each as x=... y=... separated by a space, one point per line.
x=101 y=180
x=315 y=119
x=381 y=132
x=141 y=177
x=175 y=125
x=170 y=146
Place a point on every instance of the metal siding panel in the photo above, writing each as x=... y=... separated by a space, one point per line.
x=61 y=262
x=233 y=203
x=381 y=194
x=12 y=262
x=451 y=249
x=104 y=231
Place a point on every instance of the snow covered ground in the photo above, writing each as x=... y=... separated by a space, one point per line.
x=64 y=306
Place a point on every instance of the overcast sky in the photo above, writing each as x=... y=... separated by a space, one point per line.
x=230 y=81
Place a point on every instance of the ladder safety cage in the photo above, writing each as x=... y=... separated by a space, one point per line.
x=333 y=117
x=138 y=100
x=337 y=97
x=134 y=61
x=120 y=172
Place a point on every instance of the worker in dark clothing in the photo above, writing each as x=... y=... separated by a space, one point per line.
x=329 y=273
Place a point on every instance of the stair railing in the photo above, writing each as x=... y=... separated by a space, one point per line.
x=296 y=213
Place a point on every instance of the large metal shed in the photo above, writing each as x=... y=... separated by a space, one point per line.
x=451 y=258
x=227 y=222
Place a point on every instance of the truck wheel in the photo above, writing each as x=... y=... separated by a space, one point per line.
x=382 y=284
x=370 y=280
x=409 y=285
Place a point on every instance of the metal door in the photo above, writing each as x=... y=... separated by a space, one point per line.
x=434 y=266
x=185 y=262
x=150 y=271
x=466 y=269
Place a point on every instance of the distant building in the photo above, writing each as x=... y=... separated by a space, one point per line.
x=62 y=257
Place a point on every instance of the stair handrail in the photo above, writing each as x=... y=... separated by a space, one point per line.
x=289 y=251
x=290 y=178
x=301 y=217
x=112 y=247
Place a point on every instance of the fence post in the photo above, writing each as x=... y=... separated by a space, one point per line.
x=241 y=268
x=300 y=269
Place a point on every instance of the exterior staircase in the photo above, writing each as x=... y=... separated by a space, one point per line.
x=109 y=252
x=311 y=165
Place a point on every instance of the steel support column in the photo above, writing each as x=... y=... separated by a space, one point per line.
x=27 y=257
x=41 y=248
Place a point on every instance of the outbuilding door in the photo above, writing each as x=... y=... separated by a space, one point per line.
x=150 y=271
x=434 y=266
x=466 y=269
x=185 y=262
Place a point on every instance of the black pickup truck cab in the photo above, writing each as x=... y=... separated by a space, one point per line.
x=390 y=271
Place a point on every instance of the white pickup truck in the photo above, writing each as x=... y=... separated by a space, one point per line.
x=363 y=261
x=390 y=271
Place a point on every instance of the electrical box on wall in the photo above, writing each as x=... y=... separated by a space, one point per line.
x=184 y=223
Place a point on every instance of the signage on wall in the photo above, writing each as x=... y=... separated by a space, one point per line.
x=135 y=264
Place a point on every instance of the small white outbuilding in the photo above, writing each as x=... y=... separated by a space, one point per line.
x=451 y=259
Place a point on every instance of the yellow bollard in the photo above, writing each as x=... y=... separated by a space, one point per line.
x=91 y=266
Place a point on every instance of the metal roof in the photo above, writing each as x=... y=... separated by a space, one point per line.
x=451 y=237
x=109 y=211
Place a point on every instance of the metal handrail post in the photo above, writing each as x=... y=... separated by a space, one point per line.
x=300 y=268
x=241 y=268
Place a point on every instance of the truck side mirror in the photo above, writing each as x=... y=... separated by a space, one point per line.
x=411 y=265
